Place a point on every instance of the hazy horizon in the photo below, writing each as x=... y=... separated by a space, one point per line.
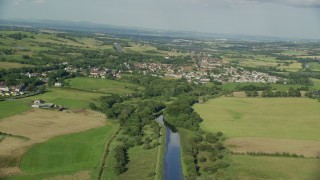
x=287 y=19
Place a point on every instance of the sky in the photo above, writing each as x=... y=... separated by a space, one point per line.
x=278 y=18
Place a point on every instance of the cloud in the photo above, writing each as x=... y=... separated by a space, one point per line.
x=39 y=1
x=295 y=3
x=18 y=2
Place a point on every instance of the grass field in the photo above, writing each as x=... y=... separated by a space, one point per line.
x=70 y=98
x=295 y=66
x=73 y=152
x=314 y=66
x=9 y=65
x=316 y=83
x=262 y=117
x=100 y=85
x=267 y=125
x=10 y=108
x=254 y=168
x=38 y=126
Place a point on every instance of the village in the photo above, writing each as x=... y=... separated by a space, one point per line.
x=204 y=70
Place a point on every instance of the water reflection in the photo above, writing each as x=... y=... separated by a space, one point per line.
x=172 y=169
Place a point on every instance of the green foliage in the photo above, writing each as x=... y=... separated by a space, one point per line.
x=180 y=114
x=121 y=158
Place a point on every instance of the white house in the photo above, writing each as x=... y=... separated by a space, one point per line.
x=57 y=84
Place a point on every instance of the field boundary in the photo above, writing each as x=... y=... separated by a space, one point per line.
x=106 y=152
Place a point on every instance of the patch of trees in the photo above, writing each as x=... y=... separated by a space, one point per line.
x=181 y=114
x=313 y=94
x=290 y=93
x=201 y=149
x=121 y=157
x=252 y=93
x=17 y=36
x=252 y=87
x=132 y=116
x=277 y=154
x=58 y=76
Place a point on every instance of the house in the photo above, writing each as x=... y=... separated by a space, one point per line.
x=3 y=87
x=57 y=84
x=18 y=88
x=38 y=101
x=43 y=106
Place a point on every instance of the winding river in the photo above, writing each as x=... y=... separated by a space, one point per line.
x=172 y=169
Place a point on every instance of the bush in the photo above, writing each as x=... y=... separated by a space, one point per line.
x=202 y=159
x=151 y=174
x=146 y=146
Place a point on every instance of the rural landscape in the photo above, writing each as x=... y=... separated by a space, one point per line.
x=90 y=101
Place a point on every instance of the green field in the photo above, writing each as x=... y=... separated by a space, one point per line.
x=262 y=117
x=10 y=108
x=316 y=83
x=100 y=85
x=9 y=65
x=291 y=120
x=314 y=66
x=248 y=167
x=68 y=153
x=70 y=98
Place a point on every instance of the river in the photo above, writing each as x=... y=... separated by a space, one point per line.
x=172 y=169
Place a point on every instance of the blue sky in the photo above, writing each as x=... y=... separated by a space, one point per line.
x=283 y=18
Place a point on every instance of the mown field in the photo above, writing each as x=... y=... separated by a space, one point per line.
x=70 y=98
x=267 y=125
x=252 y=168
x=9 y=65
x=10 y=108
x=68 y=153
x=262 y=117
x=100 y=85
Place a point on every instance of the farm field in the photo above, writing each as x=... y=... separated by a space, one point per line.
x=316 y=83
x=252 y=168
x=293 y=67
x=36 y=126
x=262 y=117
x=266 y=125
x=100 y=85
x=314 y=66
x=6 y=108
x=9 y=65
x=68 y=153
x=70 y=98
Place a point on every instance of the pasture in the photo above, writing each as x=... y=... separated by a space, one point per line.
x=262 y=117
x=265 y=124
x=68 y=153
x=10 y=108
x=100 y=85
x=9 y=65
x=71 y=98
x=252 y=167
x=38 y=126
